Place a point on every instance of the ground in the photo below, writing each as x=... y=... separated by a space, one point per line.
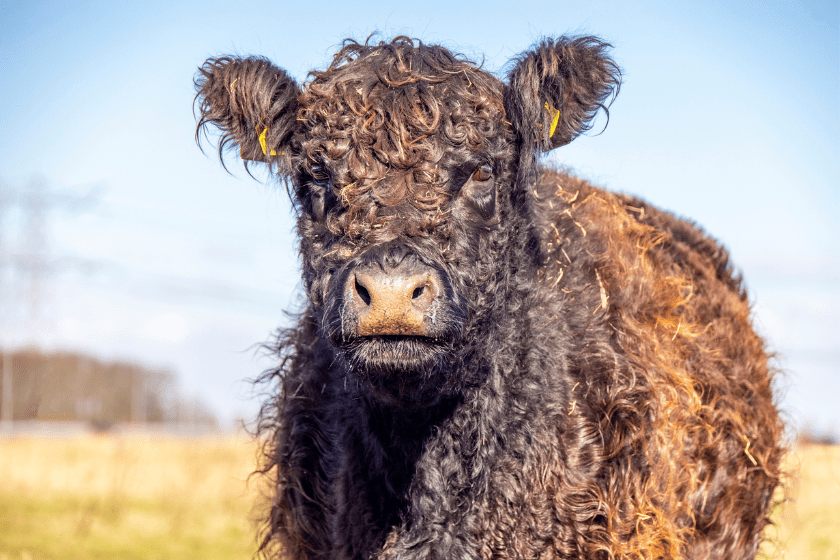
x=128 y=497
x=138 y=496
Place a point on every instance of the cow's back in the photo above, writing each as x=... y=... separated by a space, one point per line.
x=670 y=379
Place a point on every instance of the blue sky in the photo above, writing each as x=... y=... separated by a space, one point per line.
x=729 y=114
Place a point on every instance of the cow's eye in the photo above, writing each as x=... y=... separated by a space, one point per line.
x=483 y=173
x=320 y=193
x=480 y=191
x=319 y=174
x=318 y=197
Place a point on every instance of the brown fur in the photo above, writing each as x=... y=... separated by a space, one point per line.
x=586 y=383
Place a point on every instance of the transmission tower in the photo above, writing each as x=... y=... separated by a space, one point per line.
x=26 y=263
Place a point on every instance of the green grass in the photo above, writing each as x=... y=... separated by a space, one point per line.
x=141 y=497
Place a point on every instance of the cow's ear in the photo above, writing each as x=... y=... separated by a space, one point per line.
x=253 y=103
x=555 y=90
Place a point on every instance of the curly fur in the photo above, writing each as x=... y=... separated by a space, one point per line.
x=589 y=384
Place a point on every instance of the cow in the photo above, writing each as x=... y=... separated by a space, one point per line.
x=496 y=359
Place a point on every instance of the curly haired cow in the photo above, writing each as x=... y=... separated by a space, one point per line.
x=496 y=359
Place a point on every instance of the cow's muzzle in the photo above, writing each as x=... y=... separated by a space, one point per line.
x=399 y=301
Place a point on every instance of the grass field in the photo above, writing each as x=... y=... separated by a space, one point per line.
x=128 y=497
x=809 y=524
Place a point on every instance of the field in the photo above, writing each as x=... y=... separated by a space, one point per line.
x=135 y=496
x=809 y=524
x=103 y=496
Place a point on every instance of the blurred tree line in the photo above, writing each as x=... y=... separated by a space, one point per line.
x=68 y=386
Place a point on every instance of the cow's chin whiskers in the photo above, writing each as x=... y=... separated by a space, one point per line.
x=400 y=370
x=386 y=356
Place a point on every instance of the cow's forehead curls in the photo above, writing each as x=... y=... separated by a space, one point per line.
x=390 y=120
x=404 y=72
x=397 y=62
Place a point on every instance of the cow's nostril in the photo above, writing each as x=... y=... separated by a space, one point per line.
x=418 y=292
x=363 y=293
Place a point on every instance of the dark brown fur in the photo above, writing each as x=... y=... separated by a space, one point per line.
x=589 y=384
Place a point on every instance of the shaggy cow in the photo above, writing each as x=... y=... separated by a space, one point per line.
x=496 y=359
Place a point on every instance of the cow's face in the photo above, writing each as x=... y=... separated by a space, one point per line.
x=408 y=168
x=403 y=179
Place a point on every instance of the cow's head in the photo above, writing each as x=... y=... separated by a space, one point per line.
x=408 y=166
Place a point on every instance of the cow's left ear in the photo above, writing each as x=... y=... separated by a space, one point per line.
x=555 y=90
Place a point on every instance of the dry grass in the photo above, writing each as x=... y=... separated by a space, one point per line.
x=127 y=497
x=809 y=524
x=142 y=497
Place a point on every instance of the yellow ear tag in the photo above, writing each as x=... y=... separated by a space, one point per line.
x=262 y=143
x=554 y=115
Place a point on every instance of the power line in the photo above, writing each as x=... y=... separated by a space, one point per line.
x=29 y=261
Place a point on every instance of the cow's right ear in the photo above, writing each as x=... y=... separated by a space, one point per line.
x=254 y=105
